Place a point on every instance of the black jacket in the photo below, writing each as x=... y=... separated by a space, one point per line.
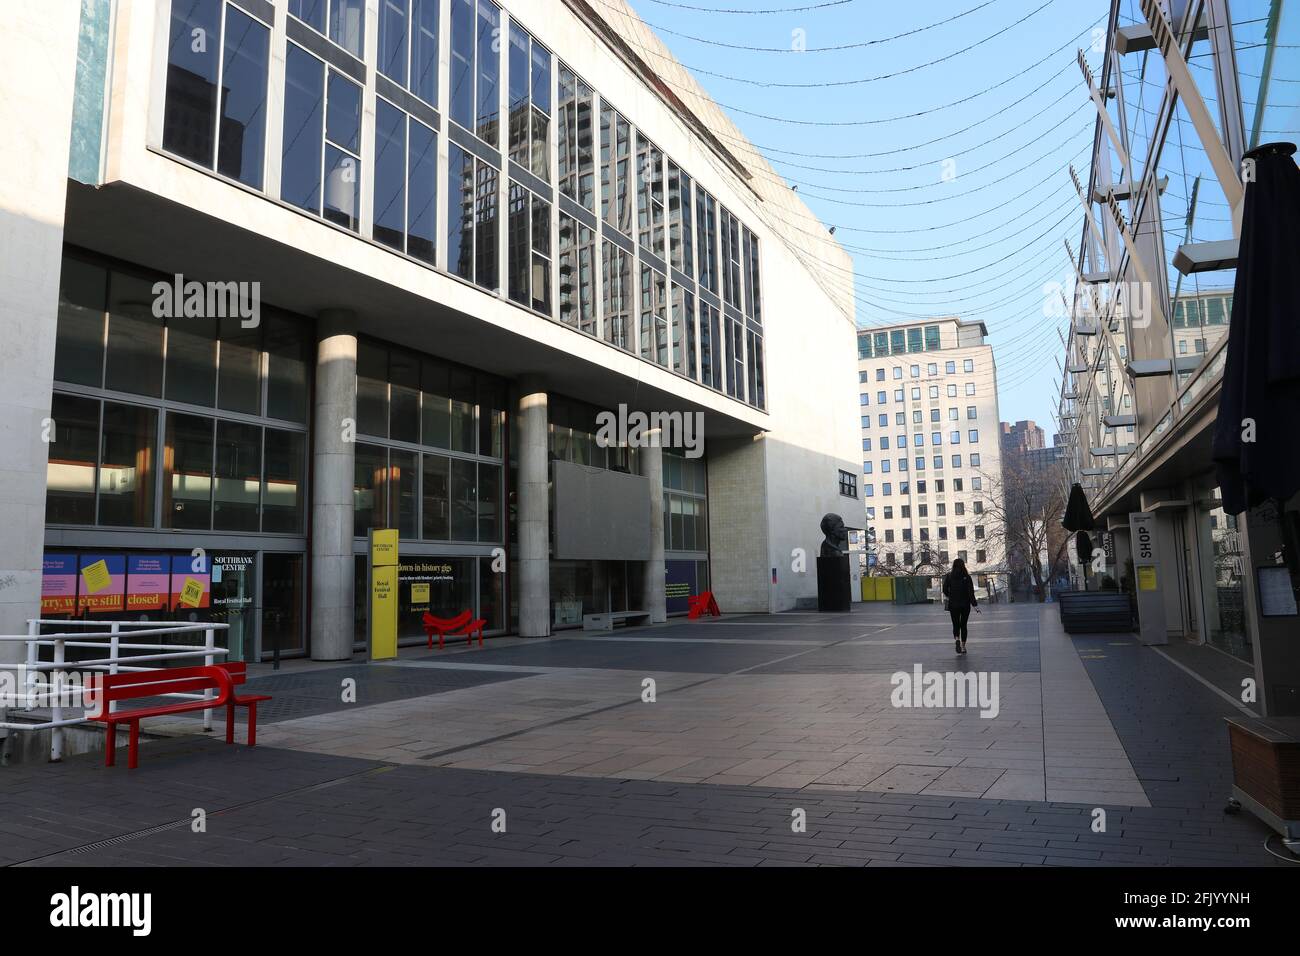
x=960 y=592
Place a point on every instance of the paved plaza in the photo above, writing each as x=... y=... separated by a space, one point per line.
x=696 y=742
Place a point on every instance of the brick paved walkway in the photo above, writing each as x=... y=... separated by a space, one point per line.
x=754 y=719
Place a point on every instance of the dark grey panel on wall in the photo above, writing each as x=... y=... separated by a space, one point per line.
x=600 y=515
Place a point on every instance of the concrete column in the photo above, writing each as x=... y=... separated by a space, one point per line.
x=653 y=598
x=333 y=456
x=38 y=64
x=534 y=558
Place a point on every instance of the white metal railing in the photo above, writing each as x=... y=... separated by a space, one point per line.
x=55 y=689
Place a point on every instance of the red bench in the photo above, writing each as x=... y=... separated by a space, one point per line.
x=464 y=624
x=238 y=672
x=702 y=604
x=112 y=688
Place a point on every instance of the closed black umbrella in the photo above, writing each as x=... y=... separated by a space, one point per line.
x=1256 y=452
x=1083 y=544
x=1078 y=516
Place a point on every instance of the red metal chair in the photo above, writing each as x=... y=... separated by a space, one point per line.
x=445 y=625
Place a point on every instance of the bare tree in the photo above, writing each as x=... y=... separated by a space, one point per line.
x=1023 y=513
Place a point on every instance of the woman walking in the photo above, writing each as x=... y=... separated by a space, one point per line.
x=959 y=595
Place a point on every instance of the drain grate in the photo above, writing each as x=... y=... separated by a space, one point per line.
x=558 y=703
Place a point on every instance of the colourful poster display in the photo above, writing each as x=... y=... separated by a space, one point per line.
x=59 y=584
x=191 y=585
x=102 y=583
x=146 y=582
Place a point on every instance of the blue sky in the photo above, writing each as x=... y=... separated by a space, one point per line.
x=960 y=211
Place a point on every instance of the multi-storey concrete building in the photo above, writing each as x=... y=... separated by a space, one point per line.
x=279 y=273
x=931 y=455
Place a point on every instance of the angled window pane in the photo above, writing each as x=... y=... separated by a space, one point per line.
x=242 y=138
x=304 y=119
x=390 y=175
x=342 y=188
x=424 y=50
x=393 y=25
x=422 y=201
x=488 y=72
x=310 y=12
x=460 y=217
x=190 y=114
x=462 y=62
x=347 y=25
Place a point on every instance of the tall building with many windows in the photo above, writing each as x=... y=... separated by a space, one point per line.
x=931 y=455
x=282 y=273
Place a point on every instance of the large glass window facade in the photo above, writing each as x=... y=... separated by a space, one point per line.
x=472 y=218
x=239 y=466
x=616 y=278
x=649 y=211
x=476 y=44
x=650 y=196
x=577 y=275
x=530 y=103
x=529 y=245
x=218 y=59
x=430 y=444
x=405 y=177
x=321 y=161
x=408 y=45
x=615 y=170
x=577 y=160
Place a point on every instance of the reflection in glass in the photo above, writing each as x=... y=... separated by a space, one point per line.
x=70 y=469
x=436 y=495
x=192 y=360
x=403 y=484
x=464 y=501
x=242 y=138
x=240 y=377
x=187 y=472
x=126 y=470
x=369 y=489
x=135 y=337
x=282 y=490
x=190 y=115
x=79 y=345
x=238 y=477
x=304 y=122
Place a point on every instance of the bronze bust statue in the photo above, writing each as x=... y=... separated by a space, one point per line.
x=837 y=536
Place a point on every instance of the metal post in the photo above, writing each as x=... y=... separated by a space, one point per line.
x=208 y=644
x=113 y=653
x=56 y=688
x=33 y=631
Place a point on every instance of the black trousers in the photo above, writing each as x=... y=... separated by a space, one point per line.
x=960 y=615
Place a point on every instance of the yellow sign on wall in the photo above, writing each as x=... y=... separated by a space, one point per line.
x=1146 y=578
x=383 y=595
x=420 y=592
